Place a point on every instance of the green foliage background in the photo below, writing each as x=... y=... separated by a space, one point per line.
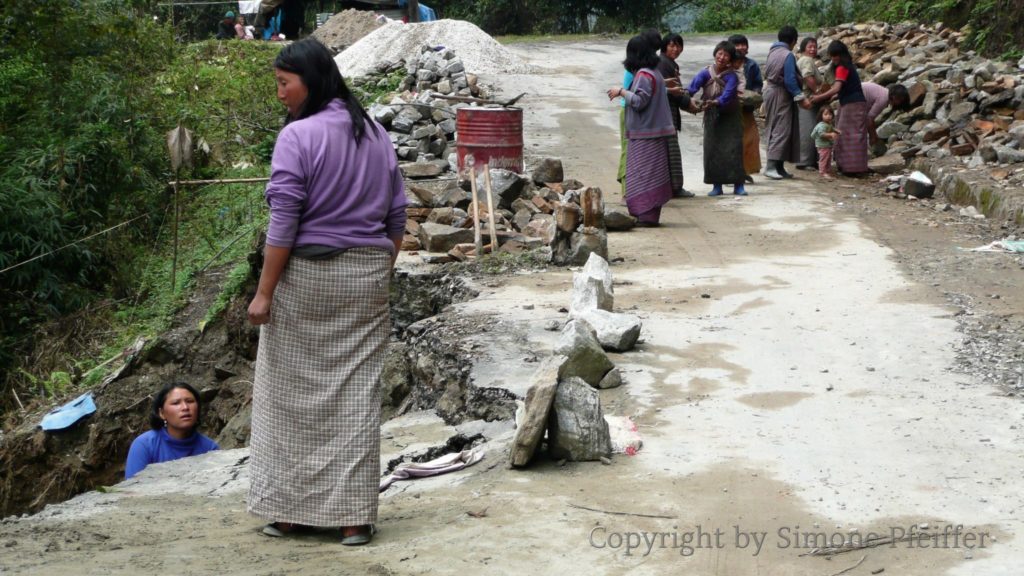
x=89 y=95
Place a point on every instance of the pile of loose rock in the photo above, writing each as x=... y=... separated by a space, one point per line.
x=419 y=119
x=346 y=28
x=964 y=105
x=545 y=212
x=563 y=399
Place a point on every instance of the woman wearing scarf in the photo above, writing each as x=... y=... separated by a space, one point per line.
x=723 y=126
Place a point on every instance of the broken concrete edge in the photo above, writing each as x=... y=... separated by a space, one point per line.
x=540 y=397
x=981 y=193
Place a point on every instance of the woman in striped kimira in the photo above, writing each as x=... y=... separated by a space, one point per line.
x=648 y=127
x=723 y=125
x=851 y=150
x=678 y=99
x=337 y=216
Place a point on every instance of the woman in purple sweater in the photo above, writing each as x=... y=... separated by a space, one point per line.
x=337 y=217
x=648 y=128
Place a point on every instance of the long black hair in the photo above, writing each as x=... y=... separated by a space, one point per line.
x=788 y=34
x=653 y=37
x=671 y=38
x=738 y=39
x=805 y=42
x=640 y=54
x=837 y=48
x=313 y=63
x=155 y=421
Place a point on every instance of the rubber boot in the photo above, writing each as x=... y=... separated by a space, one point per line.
x=716 y=190
x=739 y=190
x=781 y=168
x=772 y=171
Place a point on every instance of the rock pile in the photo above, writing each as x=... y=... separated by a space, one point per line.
x=564 y=399
x=419 y=121
x=963 y=105
x=346 y=28
x=543 y=211
x=395 y=41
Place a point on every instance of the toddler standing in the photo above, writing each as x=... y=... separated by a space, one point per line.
x=824 y=138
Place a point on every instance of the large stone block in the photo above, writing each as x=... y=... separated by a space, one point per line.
x=549 y=170
x=442 y=238
x=592 y=287
x=420 y=169
x=577 y=430
x=534 y=421
x=618 y=218
x=506 y=186
x=584 y=356
x=615 y=332
x=887 y=164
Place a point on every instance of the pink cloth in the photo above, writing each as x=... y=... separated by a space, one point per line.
x=443 y=465
x=825 y=161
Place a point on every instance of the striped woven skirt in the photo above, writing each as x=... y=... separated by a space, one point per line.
x=623 y=143
x=675 y=163
x=851 y=149
x=315 y=446
x=648 y=178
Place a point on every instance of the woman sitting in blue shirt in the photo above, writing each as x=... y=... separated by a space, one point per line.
x=173 y=419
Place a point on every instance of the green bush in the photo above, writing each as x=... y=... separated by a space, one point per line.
x=89 y=95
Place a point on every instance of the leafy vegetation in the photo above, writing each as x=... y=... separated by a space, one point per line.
x=86 y=233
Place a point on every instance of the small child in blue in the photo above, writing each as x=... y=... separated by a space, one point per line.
x=824 y=138
x=174 y=419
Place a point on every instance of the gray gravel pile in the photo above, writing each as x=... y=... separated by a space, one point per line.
x=346 y=28
x=396 y=41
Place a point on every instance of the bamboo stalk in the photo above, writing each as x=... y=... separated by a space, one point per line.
x=477 y=240
x=218 y=181
x=490 y=208
x=174 y=257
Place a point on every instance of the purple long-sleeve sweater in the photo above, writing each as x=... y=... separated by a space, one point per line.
x=325 y=190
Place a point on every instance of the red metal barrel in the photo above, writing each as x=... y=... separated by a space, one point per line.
x=493 y=135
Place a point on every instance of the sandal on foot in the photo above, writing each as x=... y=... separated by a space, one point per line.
x=280 y=529
x=361 y=538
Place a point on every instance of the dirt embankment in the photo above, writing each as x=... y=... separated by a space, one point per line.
x=40 y=468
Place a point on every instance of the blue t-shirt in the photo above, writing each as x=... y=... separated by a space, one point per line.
x=159 y=446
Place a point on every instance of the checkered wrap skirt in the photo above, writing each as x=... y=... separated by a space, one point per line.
x=315 y=447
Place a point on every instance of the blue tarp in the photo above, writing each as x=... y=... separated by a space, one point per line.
x=66 y=415
x=427 y=13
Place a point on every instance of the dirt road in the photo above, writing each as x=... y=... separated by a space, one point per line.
x=798 y=383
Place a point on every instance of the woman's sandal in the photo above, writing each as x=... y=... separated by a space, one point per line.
x=360 y=538
x=280 y=529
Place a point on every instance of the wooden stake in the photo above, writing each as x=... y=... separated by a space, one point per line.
x=18 y=400
x=477 y=240
x=174 y=257
x=490 y=208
